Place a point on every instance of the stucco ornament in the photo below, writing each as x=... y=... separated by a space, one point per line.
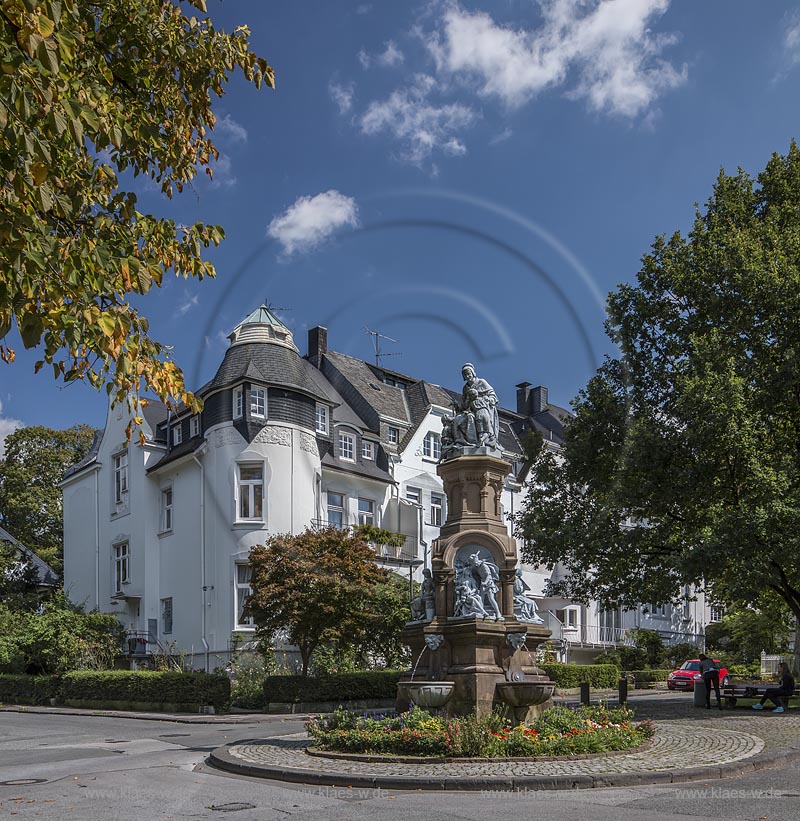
x=524 y=608
x=475 y=423
x=422 y=607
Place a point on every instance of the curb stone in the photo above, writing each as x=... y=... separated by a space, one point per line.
x=222 y=759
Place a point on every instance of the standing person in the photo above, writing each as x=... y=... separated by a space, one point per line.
x=786 y=688
x=710 y=674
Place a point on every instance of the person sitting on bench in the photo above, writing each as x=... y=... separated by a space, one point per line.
x=776 y=694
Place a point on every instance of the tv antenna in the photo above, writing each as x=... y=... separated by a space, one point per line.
x=376 y=341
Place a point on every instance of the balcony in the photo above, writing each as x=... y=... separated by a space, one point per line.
x=392 y=553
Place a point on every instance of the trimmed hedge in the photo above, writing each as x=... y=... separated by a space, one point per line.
x=573 y=675
x=369 y=684
x=650 y=676
x=147 y=686
x=28 y=689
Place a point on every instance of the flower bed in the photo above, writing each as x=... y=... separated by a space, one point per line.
x=560 y=731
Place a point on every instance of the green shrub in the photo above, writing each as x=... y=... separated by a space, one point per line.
x=28 y=689
x=368 y=684
x=745 y=672
x=650 y=676
x=147 y=686
x=573 y=675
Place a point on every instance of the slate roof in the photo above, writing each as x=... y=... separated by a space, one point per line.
x=47 y=576
x=368 y=469
x=270 y=364
x=387 y=400
x=87 y=460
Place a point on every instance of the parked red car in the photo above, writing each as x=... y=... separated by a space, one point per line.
x=685 y=676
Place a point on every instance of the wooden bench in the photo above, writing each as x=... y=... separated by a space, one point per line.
x=731 y=693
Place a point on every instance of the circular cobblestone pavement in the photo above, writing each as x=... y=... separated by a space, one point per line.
x=683 y=749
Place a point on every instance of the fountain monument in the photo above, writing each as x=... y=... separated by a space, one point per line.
x=474 y=631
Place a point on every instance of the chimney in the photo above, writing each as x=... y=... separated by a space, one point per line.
x=539 y=399
x=523 y=394
x=317 y=344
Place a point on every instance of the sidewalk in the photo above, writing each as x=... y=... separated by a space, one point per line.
x=177 y=718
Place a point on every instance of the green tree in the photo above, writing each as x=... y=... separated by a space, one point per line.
x=744 y=632
x=19 y=579
x=30 y=500
x=89 y=88
x=318 y=587
x=60 y=638
x=682 y=462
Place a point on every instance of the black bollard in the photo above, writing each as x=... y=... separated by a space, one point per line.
x=585 y=693
x=623 y=690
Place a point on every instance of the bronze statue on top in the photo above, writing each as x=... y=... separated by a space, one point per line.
x=475 y=423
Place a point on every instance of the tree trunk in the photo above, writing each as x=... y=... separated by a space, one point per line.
x=796 y=659
x=305 y=658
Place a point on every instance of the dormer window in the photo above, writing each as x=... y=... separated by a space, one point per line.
x=238 y=402
x=194 y=426
x=258 y=403
x=393 y=435
x=432 y=446
x=347 y=447
x=367 y=450
x=177 y=434
x=322 y=419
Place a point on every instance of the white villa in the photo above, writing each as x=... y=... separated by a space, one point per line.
x=160 y=533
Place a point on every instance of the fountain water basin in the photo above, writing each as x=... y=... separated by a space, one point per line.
x=521 y=695
x=431 y=694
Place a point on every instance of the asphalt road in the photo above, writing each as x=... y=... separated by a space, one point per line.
x=87 y=767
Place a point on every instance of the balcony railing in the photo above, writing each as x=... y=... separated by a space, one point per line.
x=595 y=635
x=403 y=553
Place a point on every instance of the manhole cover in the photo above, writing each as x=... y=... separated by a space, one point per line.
x=233 y=807
x=175 y=735
x=23 y=782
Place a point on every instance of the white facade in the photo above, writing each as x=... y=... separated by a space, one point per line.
x=160 y=533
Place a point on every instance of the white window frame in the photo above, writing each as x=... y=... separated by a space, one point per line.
x=238 y=590
x=122 y=565
x=432 y=445
x=120 y=462
x=393 y=435
x=322 y=419
x=258 y=403
x=238 y=402
x=437 y=509
x=335 y=508
x=194 y=425
x=366 y=517
x=246 y=488
x=367 y=450
x=165 y=608
x=414 y=495
x=177 y=434
x=349 y=449
x=167 y=509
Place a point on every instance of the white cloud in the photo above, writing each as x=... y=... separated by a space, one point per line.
x=607 y=46
x=311 y=220
x=364 y=8
x=342 y=96
x=228 y=127
x=391 y=56
x=223 y=176
x=7 y=427
x=791 y=39
x=189 y=302
x=504 y=135
x=422 y=126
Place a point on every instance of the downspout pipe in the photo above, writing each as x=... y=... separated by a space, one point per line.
x=97 y=539
x=203 y=584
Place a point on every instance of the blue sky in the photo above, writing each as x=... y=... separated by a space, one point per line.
x=468 y=178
